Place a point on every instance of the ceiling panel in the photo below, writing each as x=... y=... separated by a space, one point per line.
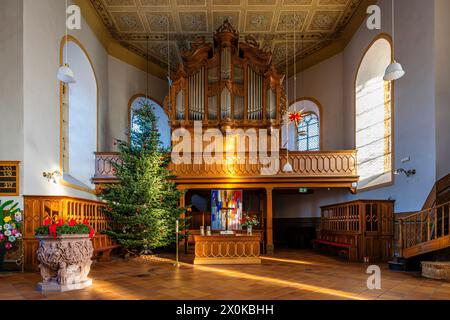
x=276 y=24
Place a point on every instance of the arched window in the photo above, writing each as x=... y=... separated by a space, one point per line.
x=79 y=117
x=307 y=137
x=373 y=116
x=308 y=133
x=163 y=120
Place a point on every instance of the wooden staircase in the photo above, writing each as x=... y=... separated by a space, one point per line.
x=425 y=231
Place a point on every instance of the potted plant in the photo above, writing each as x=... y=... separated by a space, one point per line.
x=249 y=221
x=64 y=254
x=10 y=226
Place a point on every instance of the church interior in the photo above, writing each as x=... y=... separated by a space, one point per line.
x=304 y=141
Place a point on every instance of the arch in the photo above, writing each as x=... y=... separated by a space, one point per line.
x=373 y=115
x=165 y=133
x=79 y=178
x=313 y=106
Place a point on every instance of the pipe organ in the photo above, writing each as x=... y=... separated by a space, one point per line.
x=226 y=82
x=196 y=95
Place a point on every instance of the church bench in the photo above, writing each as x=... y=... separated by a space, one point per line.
x=334 y=244
x=344 y=248
x=103 y=245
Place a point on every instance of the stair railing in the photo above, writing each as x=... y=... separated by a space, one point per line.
x=423 y=226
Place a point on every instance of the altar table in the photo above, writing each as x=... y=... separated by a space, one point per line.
x=227 y=249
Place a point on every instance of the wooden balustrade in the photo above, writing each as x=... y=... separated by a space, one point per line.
x=323 y=166
x=366 y=225
x=424 y=231
x=39 y=207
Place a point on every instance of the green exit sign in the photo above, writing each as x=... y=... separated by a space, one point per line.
x=303 y=190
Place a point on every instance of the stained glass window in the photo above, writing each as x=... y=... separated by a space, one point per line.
x=309 y=133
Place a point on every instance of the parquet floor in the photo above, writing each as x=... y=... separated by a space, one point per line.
x=299 y=275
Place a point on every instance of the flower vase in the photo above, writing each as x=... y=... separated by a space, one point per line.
x=249 y=230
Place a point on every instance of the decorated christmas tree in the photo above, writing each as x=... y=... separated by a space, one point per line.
x=144 y=206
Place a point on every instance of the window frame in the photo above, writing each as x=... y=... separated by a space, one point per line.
x=63 y=114
x=308 y=137
x=320 y=116
x=371 y=186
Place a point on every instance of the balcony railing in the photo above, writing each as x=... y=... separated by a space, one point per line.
x=322 y=166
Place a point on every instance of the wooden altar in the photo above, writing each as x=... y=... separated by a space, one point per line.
x=227 y=249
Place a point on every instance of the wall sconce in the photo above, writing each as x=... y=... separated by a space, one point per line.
x=52 y=176
x=407 y=173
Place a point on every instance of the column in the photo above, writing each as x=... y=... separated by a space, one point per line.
x=269 y=231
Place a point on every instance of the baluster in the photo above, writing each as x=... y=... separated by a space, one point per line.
x=421 y=226
x=435 y=223
x=428 y=226
x=400 y=240
x=442 y=221
x=415 y=229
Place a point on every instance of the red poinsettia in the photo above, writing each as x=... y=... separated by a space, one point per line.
x=72 y=222
x=91 y=230
x=60 y=222
x=52 y=230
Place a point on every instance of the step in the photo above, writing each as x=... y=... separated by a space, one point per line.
x=436 y=270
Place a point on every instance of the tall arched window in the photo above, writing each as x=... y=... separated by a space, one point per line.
x=163 y=120
x=307 y=137
x=79 y=117
x=373 y=116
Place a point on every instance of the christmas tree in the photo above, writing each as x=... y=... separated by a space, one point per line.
x=144 y=206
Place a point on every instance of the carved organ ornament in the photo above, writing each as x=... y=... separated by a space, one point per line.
x=227 y=83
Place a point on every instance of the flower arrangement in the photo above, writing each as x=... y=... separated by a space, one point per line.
x=59 y=227
x=296 y=117
x=249 y=220
x=10 y=224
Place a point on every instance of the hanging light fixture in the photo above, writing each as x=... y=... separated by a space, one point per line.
x=288 y=167
x=65 y=74
x=395 y=70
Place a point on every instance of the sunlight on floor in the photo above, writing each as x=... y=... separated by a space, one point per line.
x=273 y=281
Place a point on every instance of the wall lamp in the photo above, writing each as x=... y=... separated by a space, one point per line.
x=52 y=176
x=407 y=173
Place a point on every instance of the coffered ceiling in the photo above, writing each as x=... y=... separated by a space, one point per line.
x=172 y=25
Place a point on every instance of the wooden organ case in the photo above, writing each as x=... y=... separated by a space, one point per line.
x=227 y=84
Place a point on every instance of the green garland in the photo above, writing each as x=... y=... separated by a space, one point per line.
x=64 y=229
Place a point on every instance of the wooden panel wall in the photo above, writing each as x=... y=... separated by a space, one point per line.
x=366 y=224
x=37 y=208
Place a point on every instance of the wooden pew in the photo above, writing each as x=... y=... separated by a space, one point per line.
x=103 y=245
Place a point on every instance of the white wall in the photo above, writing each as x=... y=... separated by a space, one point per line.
x=324 y=83
x=442 y=67
x=332 y=83
x=125 y=81
x=30 y=102
x=11 y=87
x=306 y=205
x=414 y=99
x=44 y=27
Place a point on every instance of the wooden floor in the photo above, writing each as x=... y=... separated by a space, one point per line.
x=302 y=275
